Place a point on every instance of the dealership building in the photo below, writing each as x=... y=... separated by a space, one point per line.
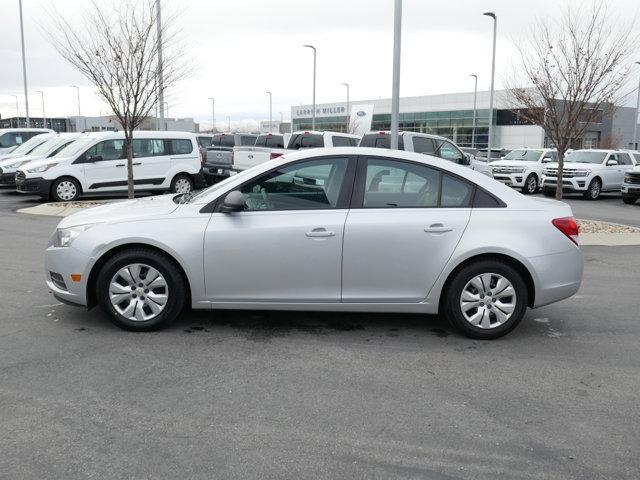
x=451 y=115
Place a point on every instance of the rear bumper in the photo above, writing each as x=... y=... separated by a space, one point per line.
x=37 y=186
x=558 y=275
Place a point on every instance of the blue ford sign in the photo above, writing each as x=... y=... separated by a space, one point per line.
x=361 y=113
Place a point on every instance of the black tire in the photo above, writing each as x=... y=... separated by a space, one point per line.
x=451 y=301
x=593 y=190
x=629 y=199
x=180 y=180
x=530 y=184
x=548 y=192
x=65 y=189
x=176 y=288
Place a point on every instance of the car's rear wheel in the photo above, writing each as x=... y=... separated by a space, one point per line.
x=181 y=183
x=594 y=189
x=530 y=185
x=486 y=299
x=65 y=189
x=629 y=199
x=141 y=290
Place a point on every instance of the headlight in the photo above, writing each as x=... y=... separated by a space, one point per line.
x=63 y=237
x=15 y=165
x=581 y=173
x=627 y=178
x=41 y=169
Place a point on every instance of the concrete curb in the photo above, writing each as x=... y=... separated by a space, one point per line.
x=63 y=209
x=609 y=239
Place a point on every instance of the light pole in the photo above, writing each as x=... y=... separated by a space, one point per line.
x=635 y=123
x=229 y=123
x=348 y=112
x=166 y=109
x=44 y=116
x=161 y=101
x=24 y=66
x=79 y=114
x=281 y=121
x=17 y=110
x=270 y=111
x=493 y=72
x=395 y=92
x=475 y=98
x=213 y=114
x=313 y=117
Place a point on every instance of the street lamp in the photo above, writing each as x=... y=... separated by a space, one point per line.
x=475 y=97
x=229 y=123
x=493 y=71
x=24 y=65
x=635 y=123
x=79 y=114
x=44 y=116
x=270 y=111
x=395 y=91
x=213 y=114
x=313 y=118
x=348 y=112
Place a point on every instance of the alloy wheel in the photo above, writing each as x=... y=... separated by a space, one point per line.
x=138 y=292
x=532 y=184
x=488 y=300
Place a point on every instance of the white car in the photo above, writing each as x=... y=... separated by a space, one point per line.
x=333 y=229
x=48 y=148
x=522 y=168
x=631 y=183
x=427 y=144
x=96 y=163
x=12 y=138
x=27 y=146
x=589 y=172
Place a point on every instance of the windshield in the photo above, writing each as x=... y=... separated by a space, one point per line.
x=525 y=155
x=27 y=146
x=49 y=145
x=582 y=156
x=75 y=148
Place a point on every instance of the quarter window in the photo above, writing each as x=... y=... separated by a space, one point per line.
x=181 y=146
x=146 y=147
x=455 y=192
x=309 y=185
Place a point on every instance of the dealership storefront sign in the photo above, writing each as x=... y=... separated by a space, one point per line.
x=325 y=111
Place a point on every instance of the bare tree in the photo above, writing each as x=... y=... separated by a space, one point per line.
x=116 y=48
x=575 y=69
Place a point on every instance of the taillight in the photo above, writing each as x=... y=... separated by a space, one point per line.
x=568 y=226
x=275 y=155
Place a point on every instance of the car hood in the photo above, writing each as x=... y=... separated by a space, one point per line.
x=126 y=210
x=38 y=163
x=575 y=165
x=26 y=158
x=513 y=163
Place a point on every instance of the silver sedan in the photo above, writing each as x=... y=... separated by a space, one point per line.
x=342 y=229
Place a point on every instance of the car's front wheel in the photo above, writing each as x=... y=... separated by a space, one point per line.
x=594 y=189
x=141 y=289
x=65 y=189
x=486 y=299
x=530 y=185
x=629 y=199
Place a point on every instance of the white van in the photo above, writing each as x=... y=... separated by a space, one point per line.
x=96 y=163
x=11 y=138
x=51 y=145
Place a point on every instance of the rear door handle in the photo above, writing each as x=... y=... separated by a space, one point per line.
x=320 y=233
x=120 y=165
x=137 y=163
x=437 y=228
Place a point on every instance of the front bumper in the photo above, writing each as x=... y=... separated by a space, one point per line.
x=510 y=179
x=574 y=184
x=60 y=264
x=37 y=185
x=632 y=189
x=8 y=179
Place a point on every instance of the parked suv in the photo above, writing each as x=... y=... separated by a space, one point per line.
x=589 y=172
x=522 y=168
x=631 y=182
x=96 y=163
x=51 y=145
x=11 y=138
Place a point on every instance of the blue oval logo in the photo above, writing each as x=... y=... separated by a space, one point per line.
x=361 y=113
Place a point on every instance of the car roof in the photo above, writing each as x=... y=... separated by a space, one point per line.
x=404 y=132
x=320 y=132
x=137 y=134
x=42 y=130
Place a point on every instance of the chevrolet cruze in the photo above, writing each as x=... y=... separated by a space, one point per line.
x=341 y=229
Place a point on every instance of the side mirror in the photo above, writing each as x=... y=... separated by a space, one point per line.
x=611 y=163
x=233 y=202
x=466 y=159
x=546 y=160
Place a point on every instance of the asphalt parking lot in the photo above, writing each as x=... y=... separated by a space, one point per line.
x=301 y=395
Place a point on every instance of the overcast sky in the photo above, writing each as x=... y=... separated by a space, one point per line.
x=243 y=47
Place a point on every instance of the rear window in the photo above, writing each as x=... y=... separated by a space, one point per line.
x=423 y=145
x=181 y=146
x=247 y=141
x=306 y=140
x=344 y=141
x=270 y=141
x=223 y=141
x=380 y=140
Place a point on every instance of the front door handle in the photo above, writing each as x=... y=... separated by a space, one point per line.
x=437 y=228
x=120 y=165
x=320 y=233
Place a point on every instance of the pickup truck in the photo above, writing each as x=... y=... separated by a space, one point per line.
x=269 y=146
x=217 y=159
x=428 y=144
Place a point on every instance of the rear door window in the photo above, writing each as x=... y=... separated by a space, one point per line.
x=147 y=147
x=423 y=145
x=624 y=159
